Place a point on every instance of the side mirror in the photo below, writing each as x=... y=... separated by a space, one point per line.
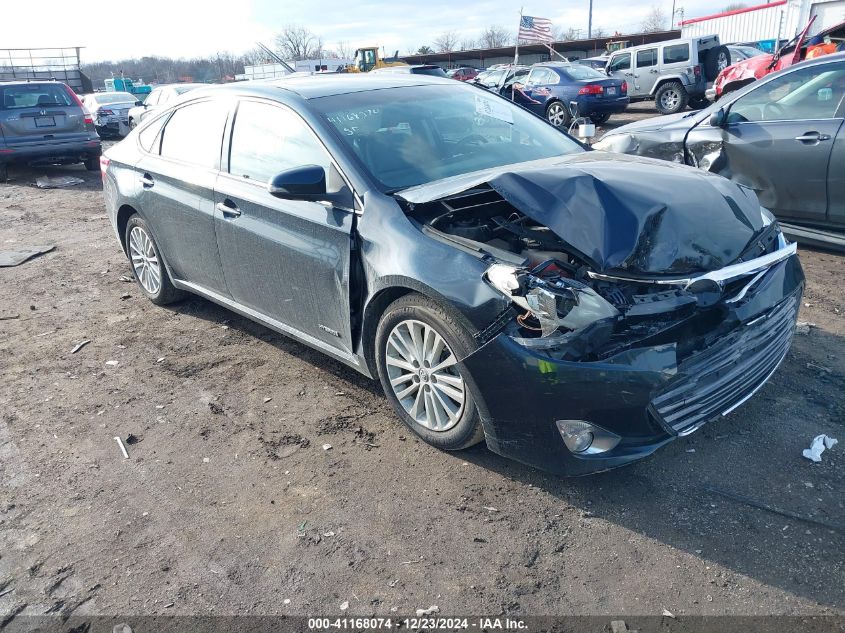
x=300 y=183
x=139 y=103
x=718 y=118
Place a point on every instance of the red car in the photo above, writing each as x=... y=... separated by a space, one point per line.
x=463 y=74
x=798 y=49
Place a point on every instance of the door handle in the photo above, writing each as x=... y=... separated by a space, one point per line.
x=147 y=181
x=812 y=137
x=229 y=210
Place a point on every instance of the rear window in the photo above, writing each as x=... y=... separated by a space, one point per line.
x=434 y=71
x=579 y=71
x=35 y=96
x=676 y=53
x=194 y=133
x=114 y=97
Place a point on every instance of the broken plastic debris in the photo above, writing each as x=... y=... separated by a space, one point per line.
x=668 y=613
x=344 y=605
x=46 y=182
x=112 y=363
x=79 y=346
x=431 y=610
x=122 y=447
x=819 y=443
x=803 y=327
x=327 y=447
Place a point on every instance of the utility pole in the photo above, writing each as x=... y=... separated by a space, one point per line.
x=590 y=22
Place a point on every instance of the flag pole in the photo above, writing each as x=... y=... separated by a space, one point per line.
x=516 y=53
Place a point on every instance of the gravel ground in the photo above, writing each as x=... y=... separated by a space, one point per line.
x=230 y=504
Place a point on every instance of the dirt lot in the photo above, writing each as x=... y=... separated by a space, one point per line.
x=229 y=504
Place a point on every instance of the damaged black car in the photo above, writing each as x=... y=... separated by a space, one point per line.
x=575 y=310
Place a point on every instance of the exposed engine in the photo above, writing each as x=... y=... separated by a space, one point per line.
x=559 y=298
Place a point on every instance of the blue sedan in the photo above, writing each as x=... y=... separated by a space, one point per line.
x=552 y=86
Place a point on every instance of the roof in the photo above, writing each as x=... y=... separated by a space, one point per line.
x=725 y=14
x=325 y=85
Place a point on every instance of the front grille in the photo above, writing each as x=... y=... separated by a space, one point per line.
x=714 y=381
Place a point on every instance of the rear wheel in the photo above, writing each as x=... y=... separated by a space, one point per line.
x=4 y=172
x=92 y=163
x=671 y=97
x=557 y=114
x=598 y=119
x=418 y=345
x=149 y=269
x=132 y=123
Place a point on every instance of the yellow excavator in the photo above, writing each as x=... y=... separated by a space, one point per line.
x=367 y=58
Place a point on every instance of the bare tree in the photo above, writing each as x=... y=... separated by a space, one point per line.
x=734 y=6
x=495 y=37
x=654 y=21
x=297 y=42
x=468 y=44
x=344 y=50
x=446 y=42
x=424 y=50
x=562 y=35
x=599 y=32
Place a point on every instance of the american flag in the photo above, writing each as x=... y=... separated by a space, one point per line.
x=535 y=29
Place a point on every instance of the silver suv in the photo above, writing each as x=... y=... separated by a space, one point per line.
x=674 y=73
x=44 y=122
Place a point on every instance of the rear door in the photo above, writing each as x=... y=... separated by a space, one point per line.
x=177 y=181
x=537 y=91
x=284 y=259
x=778 y=140
x=646 y=71
x=38 y=113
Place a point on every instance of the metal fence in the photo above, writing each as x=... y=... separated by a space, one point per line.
x=62 y=64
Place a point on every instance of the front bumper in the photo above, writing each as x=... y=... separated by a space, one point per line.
x=648 y=396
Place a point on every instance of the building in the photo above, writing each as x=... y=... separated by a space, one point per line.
x=271 y=71
x=773 y=21
x=535 y=53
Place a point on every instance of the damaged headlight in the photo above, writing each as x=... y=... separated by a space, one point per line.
x=554 y=303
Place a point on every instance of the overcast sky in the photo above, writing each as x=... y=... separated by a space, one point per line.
x=189 y=28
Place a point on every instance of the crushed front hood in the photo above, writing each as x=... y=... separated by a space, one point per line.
x=624 y=214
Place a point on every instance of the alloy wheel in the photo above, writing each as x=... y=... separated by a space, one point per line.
x=145 y=262
x=422 y=371
x=670 y=99
x=556 y=114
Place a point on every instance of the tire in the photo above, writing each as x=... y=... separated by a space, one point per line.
x=599 y=119
x=715 y=61
x=4 y=172
x=698 y=103
x=558 y=115
x=92 y=163
x=453 y=428
x=671 y=97
x=145 y=259
x=132 y=124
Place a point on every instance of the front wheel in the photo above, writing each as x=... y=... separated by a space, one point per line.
x=671 y=97
x=698 y=103
x=600 y=119
x=557 y=114
x=418 y=347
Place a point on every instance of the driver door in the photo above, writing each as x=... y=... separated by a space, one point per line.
x=778 y=140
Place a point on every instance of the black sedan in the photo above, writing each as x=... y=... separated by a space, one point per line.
x=573 y=309
x=782 y=136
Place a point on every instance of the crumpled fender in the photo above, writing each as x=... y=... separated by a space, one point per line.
x=747 y=70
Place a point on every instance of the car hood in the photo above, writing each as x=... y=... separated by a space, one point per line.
x=751 y=68
x=624 y=214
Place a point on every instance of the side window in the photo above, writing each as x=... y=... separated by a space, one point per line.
x=809 y=93
x=267 y=140
x=676 y=53
x=620 y=62
x=539 y=77
x=493 y=78
x=647 y=58
x=153 y=97
x=149 y=138
x=165 y=96
x=194 y=133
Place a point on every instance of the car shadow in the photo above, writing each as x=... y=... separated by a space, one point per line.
x=27 y=174
x=705 y=494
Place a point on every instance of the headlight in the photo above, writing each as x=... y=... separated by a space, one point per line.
x=554 y=303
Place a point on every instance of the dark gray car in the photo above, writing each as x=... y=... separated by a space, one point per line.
x=782 y=136
x=44 y=122
x=574 y=309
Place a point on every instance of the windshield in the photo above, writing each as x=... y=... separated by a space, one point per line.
x=579 y=71
x=114 y=97
x=417 y=134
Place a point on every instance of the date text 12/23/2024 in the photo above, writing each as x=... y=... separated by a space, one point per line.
x=417 y=624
